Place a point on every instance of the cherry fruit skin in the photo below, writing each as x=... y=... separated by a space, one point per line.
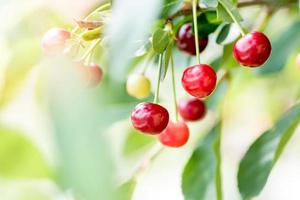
x=55 y=39
x=175 y=135
x=186 y=40
x=91 y=74
x=138 y=86
x=150 y=118
x=191 y=109
x=199 y=80
x=252 y=50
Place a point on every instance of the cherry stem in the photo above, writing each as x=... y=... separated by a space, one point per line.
x=156 y=96
x=90 y=50
x=196 y=29
x=174 y=87
x=242 y=31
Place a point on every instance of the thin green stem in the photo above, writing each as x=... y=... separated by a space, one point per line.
x=242 y=31
x=156 y=96
x=90 y=49
x=196 y=29
x=174 y=88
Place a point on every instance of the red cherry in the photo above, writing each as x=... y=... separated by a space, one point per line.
x=149 y=118
x=199 y=80
x=92 y=74
x=253 y=49
x=175 y=135
x=191 y=109
x=186 y=40
x=54 y=39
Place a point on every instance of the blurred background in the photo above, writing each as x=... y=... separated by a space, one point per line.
x=43 y=151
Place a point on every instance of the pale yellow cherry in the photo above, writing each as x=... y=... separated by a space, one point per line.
x=138 y=86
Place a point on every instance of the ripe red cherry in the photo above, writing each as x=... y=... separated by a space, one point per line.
x=149 y=118
x=199 y=80
x=186 y=40
x=175 y=135
x=252 y=50
x=54 y=39
x=191 y=109
x=92 y=74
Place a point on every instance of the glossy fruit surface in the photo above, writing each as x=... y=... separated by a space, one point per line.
x=199 y=80
x=191 y=109
x=175 y=135
x=149 y=118
x=55 y=39
x=138 y=86
x=92 y=74
x=186 y=40
x=252 y=50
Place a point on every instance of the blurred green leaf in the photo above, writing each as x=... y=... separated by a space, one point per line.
x=125 y=30
x=135 y=142
x=169 y=7
x=256 y=165
x=224 y=8
x=24 y=44
x=160 y=40
x=125 y=191
x=19 y=67
x=19 y=158
x=282 y=48
x=167 y=58
x=80 y=117
x=222 y=35
x=209 y=3
x=201 y=178
x=207 y=23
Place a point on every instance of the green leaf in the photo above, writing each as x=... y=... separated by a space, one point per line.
x=256 y=165
x=135 y=142
x=226 y=10
x=125 y=191
x=223 y=33
x=167 y=57
x=125 y=30
x=209 y=3
x=160 y=40
x=80 y=117
x=282 y=47
x=202 y=175
x=169 y=7
x=19 y=158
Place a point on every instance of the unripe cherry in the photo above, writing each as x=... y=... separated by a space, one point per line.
x=191 y=109
x=175 y=135
x=92 y=74
x=54 y=40
x=138 y=86
x=199 y=80
x=186 y=40
x=149 y=118
x=252 y=50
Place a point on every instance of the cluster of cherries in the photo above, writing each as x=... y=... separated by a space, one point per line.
x=200 y=80
x=252 y=50
x=54 y=41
